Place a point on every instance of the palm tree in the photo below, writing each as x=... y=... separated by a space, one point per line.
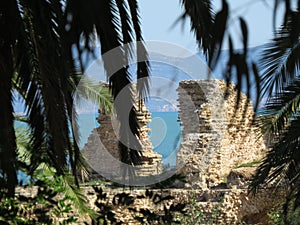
x=37 y=45
x=281 y=86
x=88 y=89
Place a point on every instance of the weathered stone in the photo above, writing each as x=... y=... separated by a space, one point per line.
x=220 y=206
x=217 y=133
x=102 y=152
x=240 y=177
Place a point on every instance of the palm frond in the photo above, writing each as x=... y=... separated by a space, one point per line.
x=202 y=19
x=210 y=29
x=110 y=28
x=96 y=92
x=280 y=60
x=45 y=80
x=22 y=137
x=282 y=161
x=37 y=60
x=51 y=77
x=281 y=107
x=142 y=55
x=126 y=27
x=218 y=30
x=76 y=195
x=277 y=4
x=280 y=84
x=119 y=81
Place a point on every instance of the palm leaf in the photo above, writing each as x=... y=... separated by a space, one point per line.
x=119 y=81
x=45 y=80
x=201 y=16
x=218 y=30
x=96 y=92
x=281 y=119
x=51 y=77
x=76 y=195
x=280 y=108
x=142 y=55
x=111 y=29
x=280 y=61
x=40 y=40
x=126 y=27
x=282 y=161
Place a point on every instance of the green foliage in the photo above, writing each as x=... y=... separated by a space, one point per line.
x=43 y=60
x=281 y=164
x=44 y=208
x=56 y=196
x=276 y=218
x=194 y=213
x=64 y=185
x=252 y=164
x=57 y=201
x=96 y=92
x=280 y=84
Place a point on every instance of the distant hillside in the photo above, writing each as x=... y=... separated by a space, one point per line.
x=160 y=105
x=166 y=73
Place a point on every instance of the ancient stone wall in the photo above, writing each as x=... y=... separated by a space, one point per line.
x=151 y=162
x=212 y=206
x=101 y=150
x=220 y=207
x=102 y=153
x=217 y=137
x=217 y=134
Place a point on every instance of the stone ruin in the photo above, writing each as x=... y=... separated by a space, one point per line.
x=218 y=135
x=102 y=153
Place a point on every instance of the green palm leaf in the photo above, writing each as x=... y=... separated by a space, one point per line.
x=96 y=92
x=280 y=108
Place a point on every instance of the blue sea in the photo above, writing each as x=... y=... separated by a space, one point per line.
x=164 y=135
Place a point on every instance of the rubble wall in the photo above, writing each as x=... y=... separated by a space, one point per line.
x=218 y=134
x=102 y=152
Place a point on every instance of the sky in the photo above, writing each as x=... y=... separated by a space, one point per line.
x=158 y=22
x=158 y=17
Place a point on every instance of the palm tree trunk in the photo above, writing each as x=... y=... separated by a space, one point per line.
x=8 y=25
